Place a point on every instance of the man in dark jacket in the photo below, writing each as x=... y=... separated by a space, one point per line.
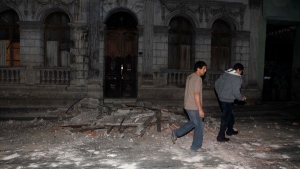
x=228 y=88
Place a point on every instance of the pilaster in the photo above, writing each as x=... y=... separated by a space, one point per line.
x=241 y=53
x=148 y=38
x=203 y=46
x=79 y=59
x=31 y=50
x=255 y=13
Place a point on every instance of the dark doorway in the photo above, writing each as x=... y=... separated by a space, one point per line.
x=279 y=52
x=121 y=56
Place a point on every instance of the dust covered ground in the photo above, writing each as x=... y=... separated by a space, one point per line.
x=268 y=138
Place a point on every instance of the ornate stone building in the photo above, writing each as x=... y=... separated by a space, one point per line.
x=56 y=52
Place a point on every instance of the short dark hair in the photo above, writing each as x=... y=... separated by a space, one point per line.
x=238 y=66
x=199 y=65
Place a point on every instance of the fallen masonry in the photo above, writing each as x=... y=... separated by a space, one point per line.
x=123 y=117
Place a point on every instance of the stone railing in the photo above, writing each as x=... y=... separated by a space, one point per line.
x=210 y=77
x=54 y=75
x=177 y=77
x=10 y=74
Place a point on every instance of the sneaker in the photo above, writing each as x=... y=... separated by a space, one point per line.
x=173 y=137
x=224 y=139
x=231 y=132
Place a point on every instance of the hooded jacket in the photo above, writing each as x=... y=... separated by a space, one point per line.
x=228 y=86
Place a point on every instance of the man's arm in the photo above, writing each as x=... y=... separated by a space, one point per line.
x=236 y=86
x=198 y=102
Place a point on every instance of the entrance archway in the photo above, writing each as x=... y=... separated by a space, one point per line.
x=279 y=51
x=121 y=56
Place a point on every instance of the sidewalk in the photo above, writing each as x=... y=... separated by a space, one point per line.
x=268 y=138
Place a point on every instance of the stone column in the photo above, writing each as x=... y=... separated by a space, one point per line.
x=202 y=46
x=241 y=53
x=140 y=58
x=160 y=55
x=79 y=59
x=31 y=50
x=255 y=15
x=95 y=35
x=148 y=38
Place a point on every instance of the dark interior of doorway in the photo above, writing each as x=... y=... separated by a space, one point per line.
x=121 y=34
x=279 y=50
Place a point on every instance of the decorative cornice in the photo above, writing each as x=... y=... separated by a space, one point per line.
x=55 y=2
x=232 y=9
x=182 y=5
x=31 y=25
x=180 y=1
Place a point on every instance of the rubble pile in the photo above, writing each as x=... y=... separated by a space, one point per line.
x=121 y=118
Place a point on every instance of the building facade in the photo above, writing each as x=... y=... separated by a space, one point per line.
x=56 y=52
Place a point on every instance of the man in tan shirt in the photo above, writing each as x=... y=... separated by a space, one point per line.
x=193 y=107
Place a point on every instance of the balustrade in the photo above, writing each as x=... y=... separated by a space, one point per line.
x=55 y=75
x=210 y=78
x=177 y=77
x=10 y=74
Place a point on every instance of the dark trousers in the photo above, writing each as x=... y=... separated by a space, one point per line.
x=227 y=118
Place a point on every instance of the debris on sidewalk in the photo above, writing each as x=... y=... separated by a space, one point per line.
x=126 y=116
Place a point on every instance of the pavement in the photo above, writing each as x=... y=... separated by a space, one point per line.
x=268 y=139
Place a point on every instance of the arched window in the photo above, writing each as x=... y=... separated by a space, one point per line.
x=57 y=40
x=9 y=39
x=220 y=45
x=180 y=43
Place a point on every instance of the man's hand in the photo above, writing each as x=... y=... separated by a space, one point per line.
x=201 y=113
x=244 y=98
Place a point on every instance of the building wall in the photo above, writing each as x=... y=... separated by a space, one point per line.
x=87 y=23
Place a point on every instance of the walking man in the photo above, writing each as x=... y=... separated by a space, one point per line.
x=193 y=107
x=228 y=88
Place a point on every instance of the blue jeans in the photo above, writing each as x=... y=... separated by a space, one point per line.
x=227 y=118
x=195 y=122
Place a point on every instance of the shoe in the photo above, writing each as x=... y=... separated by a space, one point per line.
x=224 y=139
x=200 y=150
x=173 y=137
x=231 y=132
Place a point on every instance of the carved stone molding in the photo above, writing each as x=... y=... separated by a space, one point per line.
x=55 y=2
x=213 y=8
x=8 y=4
x=161 y=29
x=255 y=4
x=182 y=5
x=31 y=25
x=3 y=2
